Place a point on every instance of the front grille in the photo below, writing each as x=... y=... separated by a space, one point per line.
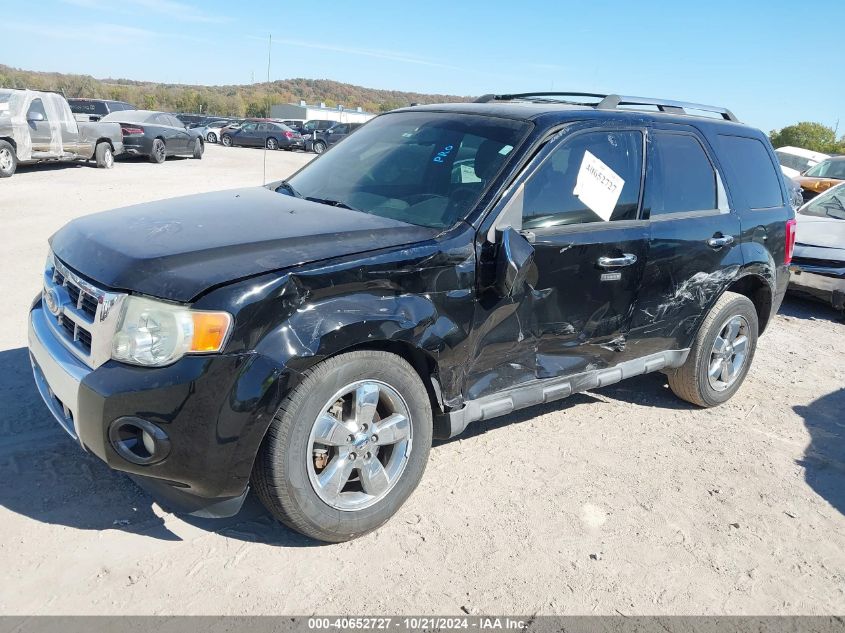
x=83 y=316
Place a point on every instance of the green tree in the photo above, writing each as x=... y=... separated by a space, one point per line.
x=807 y=134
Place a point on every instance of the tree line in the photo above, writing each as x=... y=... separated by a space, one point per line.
x=809 y=135
x=256 y=99
x=234 y=100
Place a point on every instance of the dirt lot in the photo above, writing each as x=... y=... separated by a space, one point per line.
x=623 y=500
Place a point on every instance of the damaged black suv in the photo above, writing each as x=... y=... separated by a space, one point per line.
x=444 y=264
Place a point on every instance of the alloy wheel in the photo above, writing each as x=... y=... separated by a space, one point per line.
x=359 y=445
x=729 y=353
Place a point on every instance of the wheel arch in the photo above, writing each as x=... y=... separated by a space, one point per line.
x=10 y=141
x=759 y=292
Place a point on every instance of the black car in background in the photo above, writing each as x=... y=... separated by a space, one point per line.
x=96 y=109
x=269 y=134
x=157 y=135
x=318 y=142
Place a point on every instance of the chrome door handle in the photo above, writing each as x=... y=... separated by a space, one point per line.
x=618 y=262
x=719 y=242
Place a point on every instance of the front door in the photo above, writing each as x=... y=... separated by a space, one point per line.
x=578 y=206
x=694 y=239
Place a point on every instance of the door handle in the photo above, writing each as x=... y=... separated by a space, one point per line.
x=719 y=242
x=618 y=262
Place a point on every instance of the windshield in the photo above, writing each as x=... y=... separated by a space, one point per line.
x=828 y=169
x=829 y=204
x=424 y=168
x=798 y=163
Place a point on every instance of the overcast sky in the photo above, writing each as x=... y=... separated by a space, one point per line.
x=772 y=62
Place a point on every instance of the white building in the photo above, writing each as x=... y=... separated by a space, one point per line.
x=306 y=112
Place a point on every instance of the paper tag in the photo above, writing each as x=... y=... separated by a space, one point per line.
x=598 y=186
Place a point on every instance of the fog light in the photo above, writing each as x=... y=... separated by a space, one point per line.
x=139 y=441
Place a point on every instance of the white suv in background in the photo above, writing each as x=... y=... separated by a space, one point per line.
x=794 y=161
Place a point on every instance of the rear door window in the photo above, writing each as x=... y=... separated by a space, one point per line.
x=754 y=173
x=681 y=178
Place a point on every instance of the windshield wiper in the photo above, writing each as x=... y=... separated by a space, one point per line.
x=332 y=203
x=287 y=187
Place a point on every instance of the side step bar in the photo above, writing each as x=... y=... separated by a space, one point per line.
x=549 y=389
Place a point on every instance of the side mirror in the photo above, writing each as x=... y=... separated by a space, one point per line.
x=514 y=262
x=34 y=117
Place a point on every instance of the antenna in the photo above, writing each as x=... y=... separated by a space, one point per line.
x=269 y=55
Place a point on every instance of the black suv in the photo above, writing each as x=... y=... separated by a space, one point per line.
x=320 y=141
x=96 y=109
x=445 y=264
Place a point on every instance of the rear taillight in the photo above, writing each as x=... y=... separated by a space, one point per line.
x=131 y=131
x=288 y=134
x=790 y=240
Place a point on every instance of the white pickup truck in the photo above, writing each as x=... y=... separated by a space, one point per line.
x=39 y=126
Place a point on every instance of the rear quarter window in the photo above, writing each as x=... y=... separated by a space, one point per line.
x=754 y=175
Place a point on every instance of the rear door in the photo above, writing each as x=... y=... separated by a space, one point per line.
x=694 y=243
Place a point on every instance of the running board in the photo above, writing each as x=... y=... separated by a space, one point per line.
x=549 y=389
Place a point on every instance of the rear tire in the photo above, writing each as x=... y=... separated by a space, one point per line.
x=713 y=371
x=104 y=155
x=8 y=160
x=272 y=143
x=199 y=148
x=159 y=152
x=288 y=472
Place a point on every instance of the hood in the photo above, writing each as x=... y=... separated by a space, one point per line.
x=175 y=249
x=819 y=185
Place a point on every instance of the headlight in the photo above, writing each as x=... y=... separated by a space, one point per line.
x=154 y=333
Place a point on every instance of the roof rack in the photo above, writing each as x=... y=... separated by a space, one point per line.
x=612 y=102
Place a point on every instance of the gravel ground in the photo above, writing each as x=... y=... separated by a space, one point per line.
x=622 y=500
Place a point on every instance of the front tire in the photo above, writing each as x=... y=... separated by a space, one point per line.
x=347 y=447
x=211 y=137
x=159 y=152
x=8 y=160
x=104 y=156
x=319 y=147
x=199 y=148
x=226 y=140
x=721 y=354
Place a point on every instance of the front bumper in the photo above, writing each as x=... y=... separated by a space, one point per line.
x=827 y=284
x=214 y=409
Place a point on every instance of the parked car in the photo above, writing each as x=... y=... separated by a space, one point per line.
x=794 y=161
x=818 y=267
x=214 y=128
x=39 y=126
x=822 y=177
x=267 y=134
x=443 y=265
x=96 y=109
x=316 y=125
x=192 y=120
x=318 y=142
x=156 y=135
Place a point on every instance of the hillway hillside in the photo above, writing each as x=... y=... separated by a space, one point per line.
x=237 y=100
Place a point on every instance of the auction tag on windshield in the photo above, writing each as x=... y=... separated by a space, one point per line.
x=598 y=186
